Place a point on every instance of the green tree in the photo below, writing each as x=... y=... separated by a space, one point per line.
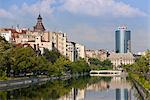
x=41 y=63
x=4 y=45
x=95 y=61
x=5 y=59
x=79 y=66
x=96 y=64
x=107 y=63
x=139 y=70
x=61 y=65
x=51 y=56
x=24 y=59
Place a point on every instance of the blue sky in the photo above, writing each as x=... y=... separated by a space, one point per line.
x=89 y=22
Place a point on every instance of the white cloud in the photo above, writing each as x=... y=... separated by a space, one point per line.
x=43 y=7
x=101 y=7
x=5 y=14
x=87 y=7
x=82 y=33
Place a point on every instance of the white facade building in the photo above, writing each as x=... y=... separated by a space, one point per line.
x=75 y=51
x=71 y=51
x=80 y=50
x=60 y=40
x=38 y=43
x=119 y=59
x=6 y=34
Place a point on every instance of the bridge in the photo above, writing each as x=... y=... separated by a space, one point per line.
x=105 y=73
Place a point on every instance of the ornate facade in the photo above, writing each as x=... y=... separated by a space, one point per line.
x=118 y=59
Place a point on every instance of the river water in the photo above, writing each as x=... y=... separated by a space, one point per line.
x=81 y=88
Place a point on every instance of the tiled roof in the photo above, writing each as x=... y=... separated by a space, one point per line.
x=121 y=56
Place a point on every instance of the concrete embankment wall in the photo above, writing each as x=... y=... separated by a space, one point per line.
x=21 y=83
x=13 y=84
x=142 y=91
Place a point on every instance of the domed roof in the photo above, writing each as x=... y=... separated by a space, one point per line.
x=39 y=25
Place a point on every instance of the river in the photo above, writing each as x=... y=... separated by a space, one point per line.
x=79 y=88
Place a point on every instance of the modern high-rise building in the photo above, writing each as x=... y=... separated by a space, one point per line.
x=123 y=40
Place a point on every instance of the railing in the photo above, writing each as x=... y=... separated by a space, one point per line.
x=105 y=73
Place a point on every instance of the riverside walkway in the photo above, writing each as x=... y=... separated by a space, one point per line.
x=18 y=83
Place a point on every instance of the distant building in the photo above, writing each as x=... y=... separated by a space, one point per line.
x=6 y=34
x=60 y=40
x=75 y=51
x=80 y=50
x=91 y=53
x=38 y=43
x=39 y=39
x=10 y=34
x=71 y=51
x=99 y=54
x=118 y=59
x=123 y=40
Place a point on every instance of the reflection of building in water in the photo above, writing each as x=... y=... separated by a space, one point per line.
x=122 y=94
x=102 y=85
x=122 y=88
x=80 y=95
x=75 y=94
x=116 y=82
x=119 y=84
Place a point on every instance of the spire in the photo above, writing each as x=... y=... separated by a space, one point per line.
x=39 y=25
x=39 y=17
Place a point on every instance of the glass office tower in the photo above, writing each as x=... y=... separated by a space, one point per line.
x=123 y=40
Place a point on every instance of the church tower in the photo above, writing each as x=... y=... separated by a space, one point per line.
x=39 y=25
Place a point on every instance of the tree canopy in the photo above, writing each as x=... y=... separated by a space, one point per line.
x=98 y=65
x=16 y=60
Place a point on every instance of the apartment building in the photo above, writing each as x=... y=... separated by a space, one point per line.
x=39 y=38
x=11 y=34
x=71 y=52
x=60 y=41
x=80 y=50
x=75 y=51
x=6 y=34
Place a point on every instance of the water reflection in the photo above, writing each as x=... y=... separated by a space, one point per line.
x=115 y=88
x=83 y=88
